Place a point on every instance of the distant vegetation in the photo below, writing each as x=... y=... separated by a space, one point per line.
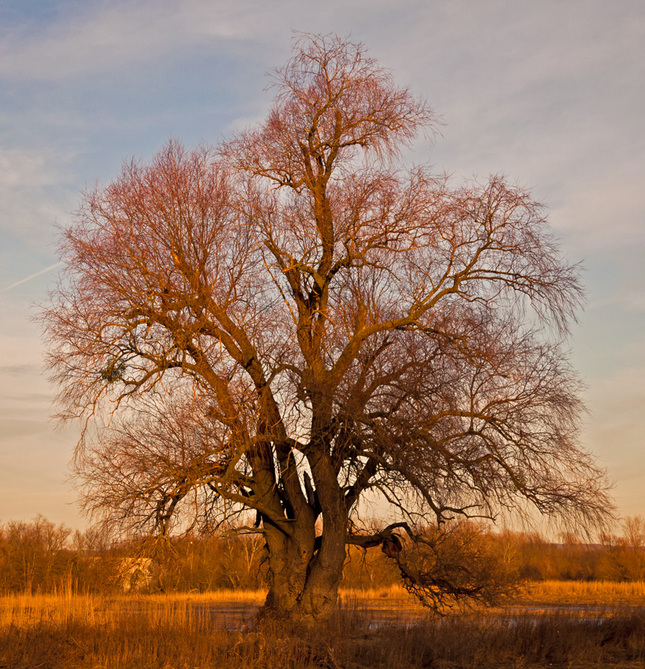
x=42 y=557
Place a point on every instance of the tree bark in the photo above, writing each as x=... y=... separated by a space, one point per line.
x=306 y=569
x=304 y=579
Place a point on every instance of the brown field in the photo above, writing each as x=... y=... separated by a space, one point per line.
x=566 y=624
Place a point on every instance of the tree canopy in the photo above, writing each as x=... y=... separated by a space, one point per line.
x=295 y=319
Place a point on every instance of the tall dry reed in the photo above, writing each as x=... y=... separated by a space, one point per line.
x=215 y=630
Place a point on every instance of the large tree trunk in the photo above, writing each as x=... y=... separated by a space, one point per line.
x=304 y=584
x=288 y=563
x=301 y=590
x=306 y=570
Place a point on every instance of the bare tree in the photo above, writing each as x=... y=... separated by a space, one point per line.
x=294 y=320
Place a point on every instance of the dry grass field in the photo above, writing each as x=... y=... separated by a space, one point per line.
x=561 y=624
x=580 y=593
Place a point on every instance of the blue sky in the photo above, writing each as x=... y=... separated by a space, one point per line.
x=550 y=93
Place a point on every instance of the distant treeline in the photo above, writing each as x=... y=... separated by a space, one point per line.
x=40 y=556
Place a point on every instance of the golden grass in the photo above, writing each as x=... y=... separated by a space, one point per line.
x=372 y=629
x=252 y=597
x=20 y=610
x=160 y=631
x=585 y=593
x=538 y=593
x=394 y=596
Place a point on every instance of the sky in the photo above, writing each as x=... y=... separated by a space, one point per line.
x=549 y=93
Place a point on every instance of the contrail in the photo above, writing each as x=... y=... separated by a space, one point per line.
x=32 y=276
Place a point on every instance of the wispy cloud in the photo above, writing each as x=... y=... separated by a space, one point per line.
x=106 y=36
x=603 y=213
x=11 y=428
x=18 y=370
x=34 y=189
x=31 y=276
x=616 y=405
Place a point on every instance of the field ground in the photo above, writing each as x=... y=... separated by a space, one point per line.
x=557 y=624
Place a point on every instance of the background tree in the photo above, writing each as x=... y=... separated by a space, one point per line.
x=34 y=556
x=625 y=553
x=294 y=320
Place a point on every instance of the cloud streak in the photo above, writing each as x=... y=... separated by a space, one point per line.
x=30 y=277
